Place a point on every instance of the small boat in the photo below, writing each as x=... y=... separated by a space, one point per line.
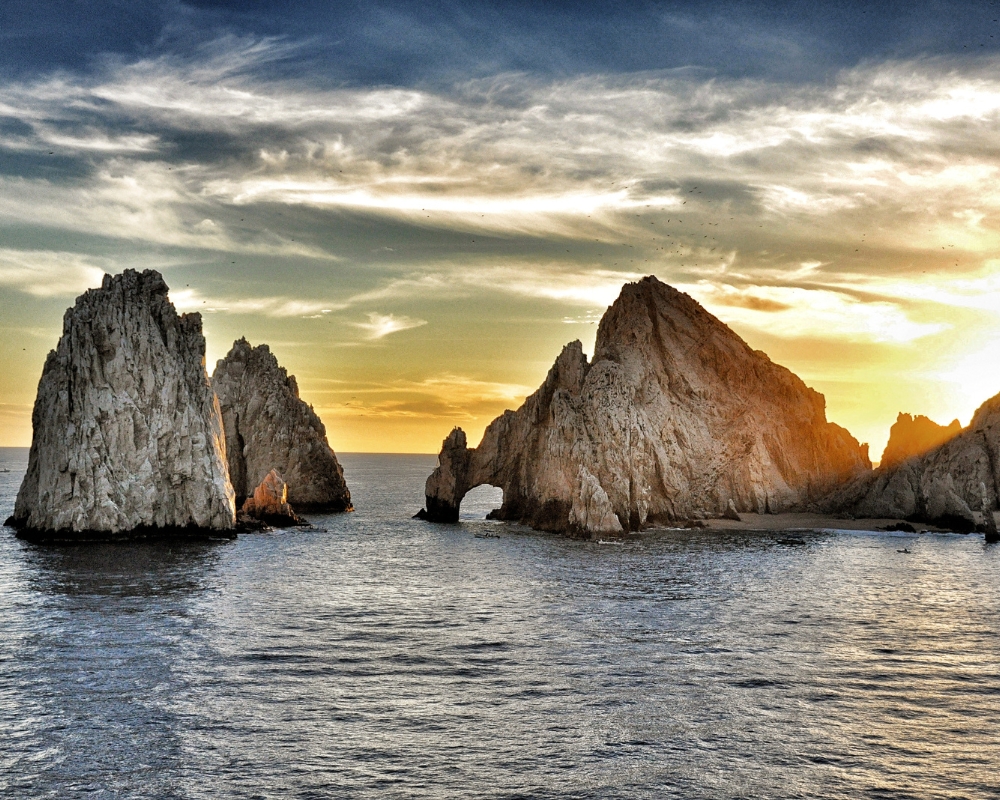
x=486 y=535
x=904 y=550
x=4 y=470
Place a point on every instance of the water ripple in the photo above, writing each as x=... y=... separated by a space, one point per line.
x=378 y=656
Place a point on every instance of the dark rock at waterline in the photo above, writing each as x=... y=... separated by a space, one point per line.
x=191 y=533
x=902 y=527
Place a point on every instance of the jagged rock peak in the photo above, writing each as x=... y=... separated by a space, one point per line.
x=127 y=433
x=268 y=427
x=912 y=436
x=940 y=487
x=675 y=417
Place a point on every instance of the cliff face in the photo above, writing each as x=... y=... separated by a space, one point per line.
x=674 y=417
x=127 y=433
x=942 y=487
x=268 y=427
x=913 y=436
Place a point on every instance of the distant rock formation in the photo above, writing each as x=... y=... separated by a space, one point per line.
x=269 y=428
x=941 y=487
x=913 y=436
x=269 y=503
x=675 y=417
x=127 y=433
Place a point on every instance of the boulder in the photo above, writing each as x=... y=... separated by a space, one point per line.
x=673 y=418
x=269 y=427
x=269 y=503
x=940 y=487
x=127 y=433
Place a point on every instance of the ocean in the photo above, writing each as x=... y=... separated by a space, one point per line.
x=374 y=655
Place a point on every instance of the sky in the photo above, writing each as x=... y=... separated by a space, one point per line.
x=416 y=205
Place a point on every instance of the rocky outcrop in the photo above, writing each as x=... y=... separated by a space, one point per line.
x=269 y=503
x=941 y=487
x=268 y=427
x=127 y=433
x=675 y=417
x=913 y=436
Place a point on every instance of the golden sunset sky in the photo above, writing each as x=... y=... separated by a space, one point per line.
x=416 y=237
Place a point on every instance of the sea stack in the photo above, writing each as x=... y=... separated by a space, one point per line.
x=127 y=432
x=268 y=427
x=940 y=487
x=675 y=417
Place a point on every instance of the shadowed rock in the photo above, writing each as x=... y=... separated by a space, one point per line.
x=674 y=418
x=127 y=434
x=940 y=487
x=268 y=427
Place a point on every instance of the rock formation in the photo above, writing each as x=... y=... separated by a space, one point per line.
x=127 y=433
x=989 y=521
x=938 y=488
x=675 y=417
x=913 y=436
x=269 y=428
x=269 y=503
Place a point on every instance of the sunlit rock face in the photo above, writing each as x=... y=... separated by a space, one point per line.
x=674 y=418
x=127 y=430
x=942 y=487
x=269 y=503
x=913 y=436
x=268 y=427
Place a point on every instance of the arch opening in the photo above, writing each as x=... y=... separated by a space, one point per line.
x=480 y=501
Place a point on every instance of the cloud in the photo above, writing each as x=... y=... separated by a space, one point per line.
x=440 y=396
x=47 y=273
x=793 y=312
x=381 y=325
x=188 y=299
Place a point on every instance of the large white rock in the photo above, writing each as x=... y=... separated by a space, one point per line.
x=127 y=432
x=269 y=427
x=674 y=418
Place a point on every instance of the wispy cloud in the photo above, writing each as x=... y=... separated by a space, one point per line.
x=381 y=325
x=46 y=273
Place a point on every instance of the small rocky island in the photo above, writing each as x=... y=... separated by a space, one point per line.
x=942 y=486
x=127 y=432
x=674 y=417
x=129 y=439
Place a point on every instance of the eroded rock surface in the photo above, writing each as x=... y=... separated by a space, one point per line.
x=127 y=433
x=269 y=503
x=941 y=487
x=268 y=427
x=912 y=436
x=675 y=417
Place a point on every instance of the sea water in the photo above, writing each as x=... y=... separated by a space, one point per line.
x=378 y=656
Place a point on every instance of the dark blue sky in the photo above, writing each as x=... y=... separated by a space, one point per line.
x=427 y=43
